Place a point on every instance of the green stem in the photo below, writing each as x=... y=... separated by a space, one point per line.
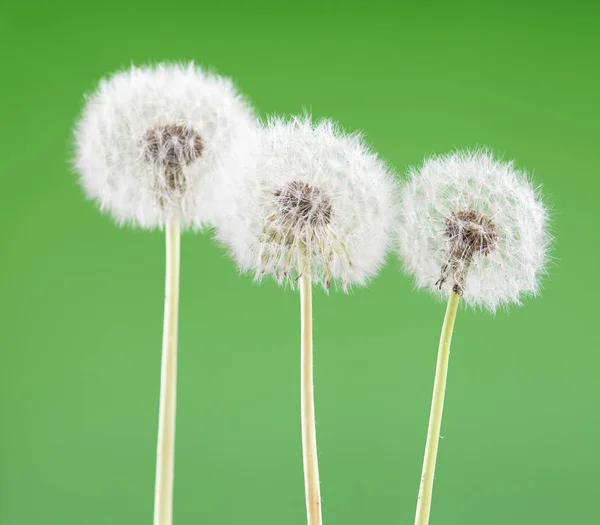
x=309 y=436
x=435 y=417
x=165 y=454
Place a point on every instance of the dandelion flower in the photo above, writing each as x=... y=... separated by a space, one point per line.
x=153 y=144
x=316 y=206
x=470 y=227
x=316 y=201
x=474 y=224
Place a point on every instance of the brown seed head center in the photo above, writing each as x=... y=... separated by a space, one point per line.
x=471 y=233
x=301 y=205
x=172 y=146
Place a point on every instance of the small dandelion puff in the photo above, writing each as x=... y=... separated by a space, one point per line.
x=316 y=201
x=470 y=228
x=153 y=143
x=476 y=225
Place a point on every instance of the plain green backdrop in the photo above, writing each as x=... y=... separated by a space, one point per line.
x=81 y=300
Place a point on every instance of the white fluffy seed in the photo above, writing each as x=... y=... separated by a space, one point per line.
x=153 y=142
x=314 y=200
x=496 y=256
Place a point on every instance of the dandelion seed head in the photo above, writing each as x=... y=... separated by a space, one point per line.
x=154 y=142
x=476 y=225
x=314 y=200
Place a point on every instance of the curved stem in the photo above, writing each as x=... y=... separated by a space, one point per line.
x=309 y=436
x=435 y=417
x=165 y=454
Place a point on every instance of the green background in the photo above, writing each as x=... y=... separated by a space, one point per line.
x=81 y=300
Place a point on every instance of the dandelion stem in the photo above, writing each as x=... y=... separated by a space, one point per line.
x=309 y=437
x=435 y=417
x=165 y=454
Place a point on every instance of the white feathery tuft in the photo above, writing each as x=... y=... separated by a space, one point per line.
x=475 y=224
x=153 y=142
x=315 y=199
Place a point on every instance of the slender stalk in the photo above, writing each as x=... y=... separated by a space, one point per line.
x=309 y=436
x=165 y=453
x=435 y=417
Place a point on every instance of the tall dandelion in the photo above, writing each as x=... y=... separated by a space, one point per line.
x=317 y=207
x=152 y=145
x=473 y=229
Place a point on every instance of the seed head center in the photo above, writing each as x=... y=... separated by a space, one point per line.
x=172 y=146
x=470 y=234
x=302 y=205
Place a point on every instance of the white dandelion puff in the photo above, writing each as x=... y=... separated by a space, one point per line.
x=315 y=205
x=315 y=200
x=153 y=142
x=476 y=225
x=153 y=145
x=470 y=227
